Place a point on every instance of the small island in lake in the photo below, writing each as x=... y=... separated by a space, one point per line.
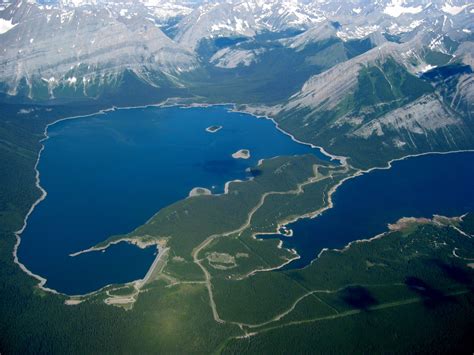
x=241 y=154
x=213 y=129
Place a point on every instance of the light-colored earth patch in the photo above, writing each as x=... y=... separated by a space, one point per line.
x=371 y=264
x=120 y=301
x=73 y=302
x=287 y=232
x=241 y=154
x=404 y=223
x=221 y=261
x=199 y=191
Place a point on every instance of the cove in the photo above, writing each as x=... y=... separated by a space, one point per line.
x=109 y=173
x=415 y=187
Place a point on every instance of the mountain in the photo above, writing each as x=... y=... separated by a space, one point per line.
x=355 y=19
x=231 y=50
x=50 y=49
x=388 y=102
x=161 y=10
x=244 y=18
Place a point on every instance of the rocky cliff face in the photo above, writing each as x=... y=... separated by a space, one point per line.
x=389 y=101
x=85 y=45
x=79 y=45
x=423 y=116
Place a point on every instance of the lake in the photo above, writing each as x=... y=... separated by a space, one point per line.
x=109 y=173
x=416 y=187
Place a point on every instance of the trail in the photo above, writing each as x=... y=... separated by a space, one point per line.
x=307 y=294
x=247 y=327
x=345 y=314
x=299 y=189
x=352 y=312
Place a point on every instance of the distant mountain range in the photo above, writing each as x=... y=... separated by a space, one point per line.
x=79 y=47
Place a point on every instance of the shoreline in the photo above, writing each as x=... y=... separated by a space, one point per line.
x=213 y=129
x=43 y=193
x=341 y=159
x=73 y=300
x=241 y=154
x=330 y=203
x=179 y=102
x=131 y=241
x=199 y=191
x=391 y=228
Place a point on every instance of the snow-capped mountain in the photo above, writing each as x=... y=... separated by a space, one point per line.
x=357 y=18
x=390 y=98
x=160 y=10
x=79 y=44
x=245 y=18
x=84 y=46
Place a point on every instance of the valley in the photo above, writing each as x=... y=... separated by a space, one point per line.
x=187 y=176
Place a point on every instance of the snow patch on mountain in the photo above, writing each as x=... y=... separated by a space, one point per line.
x=357 y=32
x=77 y=3
x=167 y=9
x=453 y=9
x=396 y=8
x=162 y=10
x=397 y=29
x=6 y=25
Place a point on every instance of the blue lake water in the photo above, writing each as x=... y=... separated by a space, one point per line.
x=363 y=206
x=108 y=174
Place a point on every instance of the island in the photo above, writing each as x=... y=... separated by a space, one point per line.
x=241 y=154
x=213 y=129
